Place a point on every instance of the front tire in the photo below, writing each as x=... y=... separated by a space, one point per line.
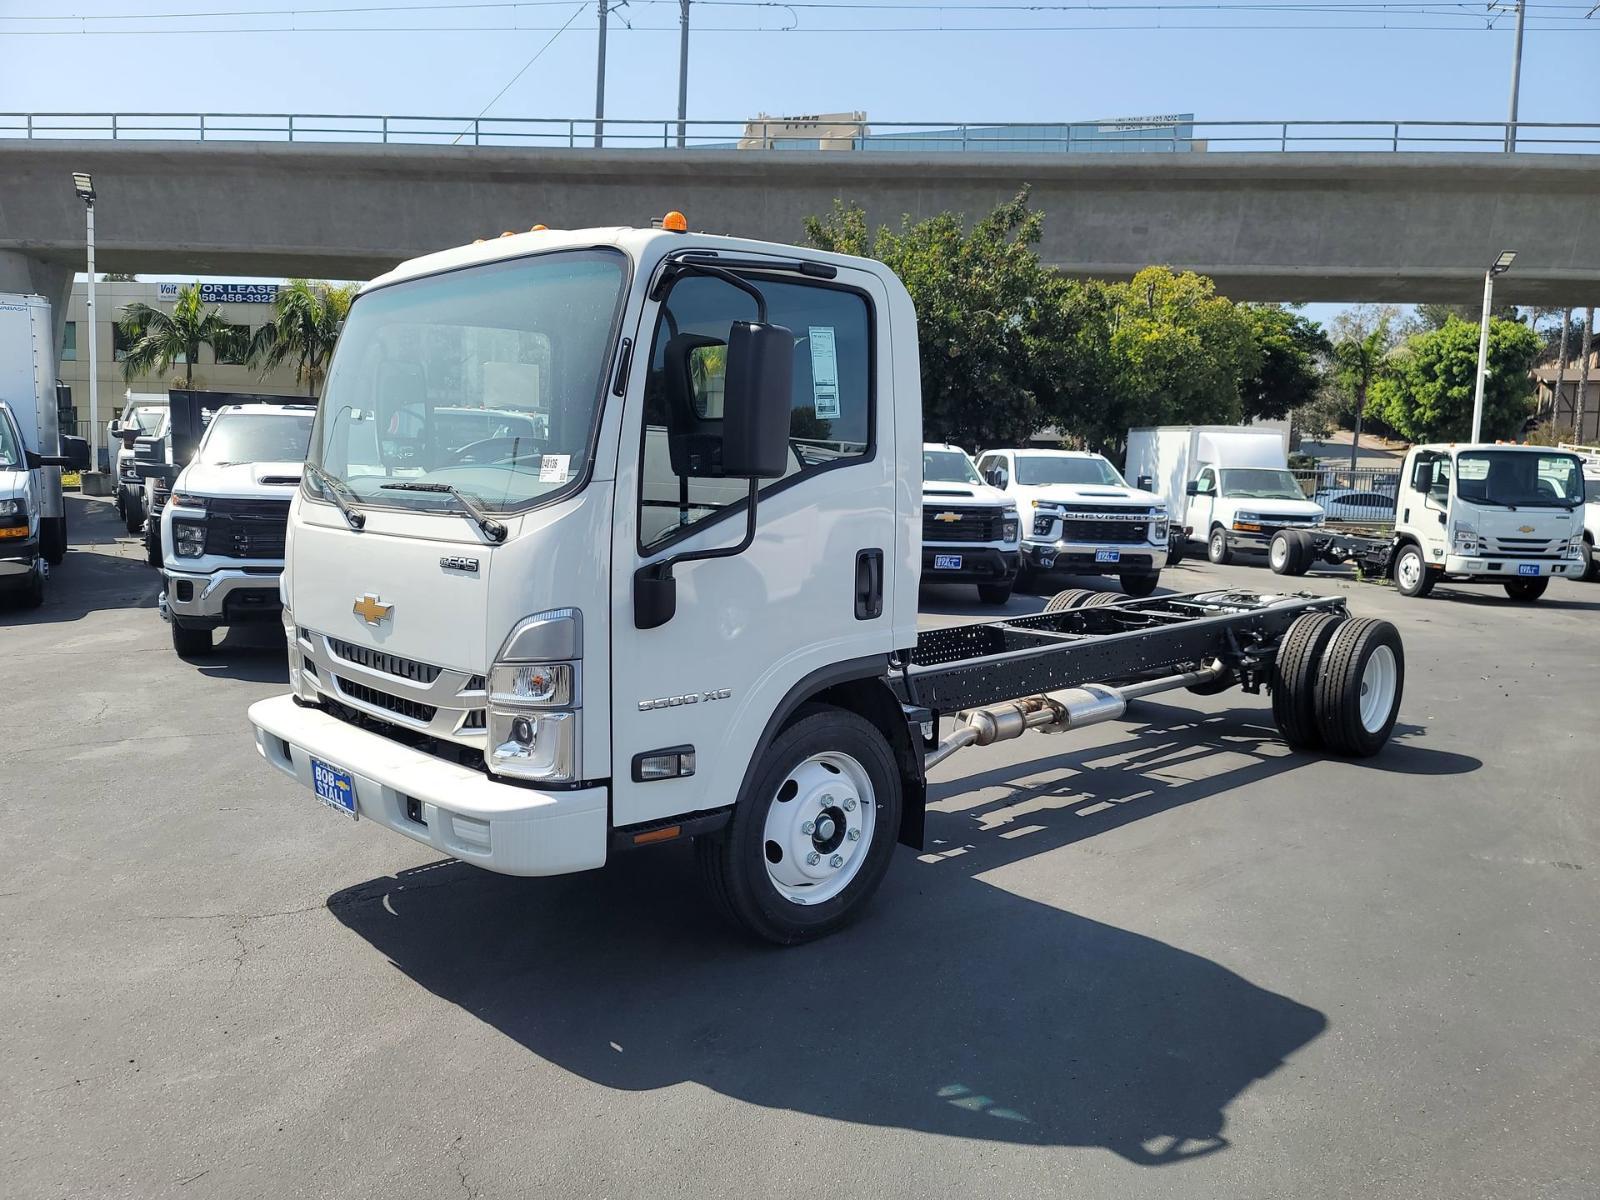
x=1175 y=549
x=53 y=539
x=32 y=593
x=1217 y=550
x=1526 y=591
x=133 y=511
x=152 y=542
x=1139 y=585
x=812 y=835
x=1591 y=562
x=1411 y=574
x=995 y=593
x=189 y=643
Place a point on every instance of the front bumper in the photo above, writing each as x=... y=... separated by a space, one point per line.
x=17 y=558
x=1499 y=567
x=221 y=597
x=1075 y=558
x=467 y=814
x=979 y=564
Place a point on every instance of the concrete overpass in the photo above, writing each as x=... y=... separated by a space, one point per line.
x=1267 y=226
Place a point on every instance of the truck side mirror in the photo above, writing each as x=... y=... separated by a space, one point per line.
x=76 y=451
x=1422 y=475
x=1192 y=488
x=150 y=456
x=758 y=394
x=1144 y=483
x=35 y=461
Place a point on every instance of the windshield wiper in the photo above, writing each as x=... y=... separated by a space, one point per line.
x=492 y=529
x=332 y=488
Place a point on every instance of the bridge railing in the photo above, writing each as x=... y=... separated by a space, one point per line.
x=1180 y=136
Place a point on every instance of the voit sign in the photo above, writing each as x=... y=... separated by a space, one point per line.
x=227 y=293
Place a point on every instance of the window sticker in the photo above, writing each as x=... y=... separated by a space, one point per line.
x=553 y=468
x=824 y=373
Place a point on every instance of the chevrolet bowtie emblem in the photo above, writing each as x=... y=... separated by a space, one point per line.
x=948 y=517
x=1524 y=528
x=371 y=610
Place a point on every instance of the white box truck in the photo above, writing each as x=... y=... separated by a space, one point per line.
x=540 y=649
x=33 y=515
x=1226 y=486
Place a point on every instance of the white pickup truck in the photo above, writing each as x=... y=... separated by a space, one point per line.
x=1080 y=517
x=532 y=657
x=969 y=529
x=223 y=529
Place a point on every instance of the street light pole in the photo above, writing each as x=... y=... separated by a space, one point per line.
x=1502 y=264
x=683 y=72
x=600 y=77
x=84 y=185
x=1516 y=79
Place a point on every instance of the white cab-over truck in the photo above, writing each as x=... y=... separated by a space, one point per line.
x=1080 y=517
x=1590 y=457
x=686 y=605
x=1471 y=513
x=33 y=515
x=969 y=529
x=223 y=530
x=1227 y=486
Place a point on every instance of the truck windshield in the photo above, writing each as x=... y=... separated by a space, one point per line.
x=487 y=379
x=239 y=437
x=148 y=419
x=1519 y=479
x=10 y=452
x=948 y=466
x=1036 y=470
x=1259 y=483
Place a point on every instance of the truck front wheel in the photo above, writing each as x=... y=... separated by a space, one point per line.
x=1526 y=591
x=189 y=643
x=1139 y=585
x=1411 y=574
x=813 y=834
x=1591 y=561
x=1217 y=547
x=1359 y=687
x=995 y=593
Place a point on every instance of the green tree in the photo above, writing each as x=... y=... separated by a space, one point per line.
x=306 y=320
x=1362 y=340
x=993 y=323
x=1292 y=348
x=1426 y=390
x=158 y=339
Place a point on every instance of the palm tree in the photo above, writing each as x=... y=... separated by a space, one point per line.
x=1357 y=361
x=159 y=339
x=304 y=327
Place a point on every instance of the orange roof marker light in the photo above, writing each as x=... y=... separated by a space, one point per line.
x=538 y=228
x=509 y=233
x=675 y=222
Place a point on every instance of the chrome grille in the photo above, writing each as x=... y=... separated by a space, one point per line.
x=389 y=664
x=970 y=524
x=1528 y=547
x=412 y=710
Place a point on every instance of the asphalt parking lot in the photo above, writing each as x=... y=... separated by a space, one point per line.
x=1162 y=957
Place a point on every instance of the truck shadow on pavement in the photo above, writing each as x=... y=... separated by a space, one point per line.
x=953 y=1008
x=92 y=577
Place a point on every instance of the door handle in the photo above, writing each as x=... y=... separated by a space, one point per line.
x=869 y=584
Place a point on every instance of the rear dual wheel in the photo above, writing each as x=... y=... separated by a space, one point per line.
x=1526 y=591
x=1071 y=598
x=1290 y=552
x=1337 y=684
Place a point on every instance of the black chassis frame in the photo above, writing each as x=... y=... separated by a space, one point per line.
x=1372 y=551
x=968 y=666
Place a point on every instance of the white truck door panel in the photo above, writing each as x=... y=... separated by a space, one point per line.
x=748 y=628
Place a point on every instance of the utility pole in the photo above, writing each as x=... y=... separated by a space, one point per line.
x=1583 y=374
x=683 y=72
x=600 y=77
x=1516 y=79
x=1500 y=266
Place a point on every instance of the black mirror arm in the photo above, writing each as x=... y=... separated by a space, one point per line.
x=682 y=267
x=655 y=591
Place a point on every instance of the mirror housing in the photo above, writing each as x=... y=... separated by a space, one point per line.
x=758 y=392
x=35 y=461
x=1422 y=475
x=76 y=451
x=150 y=456
x=1144 y=483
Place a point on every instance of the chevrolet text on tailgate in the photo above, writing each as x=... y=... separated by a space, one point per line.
x=667 y=588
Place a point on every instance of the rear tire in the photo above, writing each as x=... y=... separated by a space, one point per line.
x=1100 y=599
x=1359 y=687
x=750 y=865
x=1280 y=553
x=1591 y=562
x=53 y=539
x=995 y=593
x=152 y=542
x=1071 y=598
x=1217 y=551
x=1411 y=574
x=189 y=643
x=133 y=511
x=1526 y=591
x=1294 y=678
x=1139 y=585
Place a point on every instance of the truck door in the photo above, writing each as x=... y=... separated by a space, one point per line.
x=1203 y=504
x=813 y=592
x=1424 y=506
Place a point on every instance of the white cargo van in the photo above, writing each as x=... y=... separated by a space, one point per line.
x=1227 y=486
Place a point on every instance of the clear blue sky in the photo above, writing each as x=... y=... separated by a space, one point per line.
x=1306 y=71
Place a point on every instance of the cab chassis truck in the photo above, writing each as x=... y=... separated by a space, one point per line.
x=620 y=655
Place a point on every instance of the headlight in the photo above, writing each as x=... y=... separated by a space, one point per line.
x=188 y=539
x=1041 y=525
x=1009 y=525
x=188 y=500
x=10 y=508
x=532 y=703
x=1464 y=539
x=1158 y=530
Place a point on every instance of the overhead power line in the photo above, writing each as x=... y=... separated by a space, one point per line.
x=1149 y=27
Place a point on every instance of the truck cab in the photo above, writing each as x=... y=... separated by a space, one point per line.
x=969 y=529
x=1240 y=508
x=1488 y=513
x=144 y=415
x=223 y=529
x=1080 y=517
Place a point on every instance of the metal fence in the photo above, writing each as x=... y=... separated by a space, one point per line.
x=1365 y=496
x=780 y=135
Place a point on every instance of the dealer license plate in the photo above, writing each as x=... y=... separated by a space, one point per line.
x=1527 y=568
x=947 y=562
x=1108 y=556
x=333 y=786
